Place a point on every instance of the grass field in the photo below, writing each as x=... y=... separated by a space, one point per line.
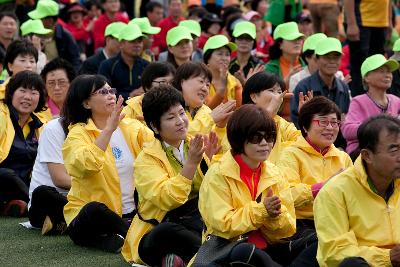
x=23 y=247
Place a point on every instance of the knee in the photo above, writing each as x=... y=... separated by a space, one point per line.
x=95 y=208
x=242 y=252
x=41 y=191
x=354 y=262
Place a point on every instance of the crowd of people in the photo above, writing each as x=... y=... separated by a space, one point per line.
x=205 y=133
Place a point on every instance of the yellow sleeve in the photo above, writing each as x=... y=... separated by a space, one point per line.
x=3 y=136
x=82 y=158
x=290 y=166
x=219 y=213
x=154 y=184
x=283 y=225
x=335 y=241
x=288 y=130
x=202 y=123
x=128 y=111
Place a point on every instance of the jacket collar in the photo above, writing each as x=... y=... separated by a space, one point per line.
x=302 y=144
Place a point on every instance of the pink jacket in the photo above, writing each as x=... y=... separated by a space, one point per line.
x=361 y=108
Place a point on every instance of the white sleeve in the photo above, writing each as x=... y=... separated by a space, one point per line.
x=50 y=143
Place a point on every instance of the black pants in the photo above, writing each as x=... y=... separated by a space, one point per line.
x=168 y=238
x=94 y=221
x=248 y=254
x=372 y=41
x=12 y=187
x=354 y=262
x=46 y=201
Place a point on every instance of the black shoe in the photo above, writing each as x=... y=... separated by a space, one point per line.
x=111 y=243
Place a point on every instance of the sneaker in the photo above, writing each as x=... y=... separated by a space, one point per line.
x=172 y=260
x=49 y=229
x=111 y=243
x=15 y=208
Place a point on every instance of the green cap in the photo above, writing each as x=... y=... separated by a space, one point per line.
x=114 y=29
x=376 y=61
x=328 y=45
x=396 y=46
x=145 y=26
x=245 y=27
x=218 y=41
x=192 y=25
x=177 y=34
x=44 y=8
x=130 y=32
x=311 y=42
x=287 y=31
x=34 y=26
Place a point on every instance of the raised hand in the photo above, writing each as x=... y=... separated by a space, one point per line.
x=305 y=98
x=211 y=146
x=222 y=112
x=116 y=116
x=272 y=204
x=196 y=149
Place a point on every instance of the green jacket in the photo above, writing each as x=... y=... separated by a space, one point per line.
x=276 y=11
x=273 y=66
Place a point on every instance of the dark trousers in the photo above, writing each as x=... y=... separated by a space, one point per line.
x=168 y=238
x=245 y=253
x=372 y=41
x=46 y=201
x=93 y=222
x=354 y=262
x=12 y=187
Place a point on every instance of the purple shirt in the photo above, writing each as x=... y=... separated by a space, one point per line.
x=361 y=108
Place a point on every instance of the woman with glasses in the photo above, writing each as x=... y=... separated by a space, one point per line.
x=313 y=159
x=99 y=153
x=244 y=195
x=154 y=75
x=193 y=80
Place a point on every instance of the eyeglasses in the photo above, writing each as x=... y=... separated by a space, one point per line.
x=162 y=82
x=105 y=91
x=61 y=83
x=325 y=123
x=258 y=137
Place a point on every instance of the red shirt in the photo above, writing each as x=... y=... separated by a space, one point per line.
x=100 y=26
x=202 y=40
x=78 y=33
x=160 y=39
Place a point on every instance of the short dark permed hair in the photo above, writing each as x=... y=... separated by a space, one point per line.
x=369 y=131
x=155 y=70
x=245 y=123
x=319 y=105
x=190 y=70
x=17 y=48
x=8 y=14
x=29 y=80
x=259 y=82
x=275 y=51
x=158 y=101
x=151 y=5
x=59 y=64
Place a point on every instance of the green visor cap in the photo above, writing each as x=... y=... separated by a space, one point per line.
x=177 y=34
x=218 y=41
x=245 y=27
x=328 y=45
x=396 y=46
x=34 y=26
x=376 y=61
x=311 y=42
x=145 y=26
x=287 y=31
x=192 y=25
x=130 y=32
x=113 y=29
x=44 y=8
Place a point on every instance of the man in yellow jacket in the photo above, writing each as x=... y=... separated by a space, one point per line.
x=357 y=212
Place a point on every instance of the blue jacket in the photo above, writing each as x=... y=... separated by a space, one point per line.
x=120 y=76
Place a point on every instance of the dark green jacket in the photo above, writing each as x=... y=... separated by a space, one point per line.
x=276 y=11
x=273 y=66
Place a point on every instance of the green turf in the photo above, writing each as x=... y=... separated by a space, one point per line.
x=23 y=247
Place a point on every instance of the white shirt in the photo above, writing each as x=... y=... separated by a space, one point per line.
x=178 y=153
x=49 y=151
x=124 y=162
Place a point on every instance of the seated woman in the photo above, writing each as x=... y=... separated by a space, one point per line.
x=377 y=78
x=155 y=74
x=193 y=80
x=168 y=174
x=180 y=46
x=245 y=195
x=20 y=55
x=19 y=132
x=99 y=153
x=313 y=159
x=224 y=86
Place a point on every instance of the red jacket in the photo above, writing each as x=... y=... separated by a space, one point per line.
x=79 y=34
x=100 y=25
x=160 y=38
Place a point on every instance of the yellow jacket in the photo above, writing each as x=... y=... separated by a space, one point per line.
x=160 y=190
x=93 y=171
x=3 y=88
x=286 y=134
x=351 y=220
x=233 y=92
x=228 y=210
x=133 y=107
x=304 y=166
x=45 y=116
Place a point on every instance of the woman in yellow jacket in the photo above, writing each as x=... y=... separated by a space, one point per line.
x=168 y=174
x=244 y=195
x=155 y=74
x=193 y=80
x=313 y=158
x=99 y=153
x=19 y=133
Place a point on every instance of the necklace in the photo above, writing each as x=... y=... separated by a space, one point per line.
x=381 y=107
